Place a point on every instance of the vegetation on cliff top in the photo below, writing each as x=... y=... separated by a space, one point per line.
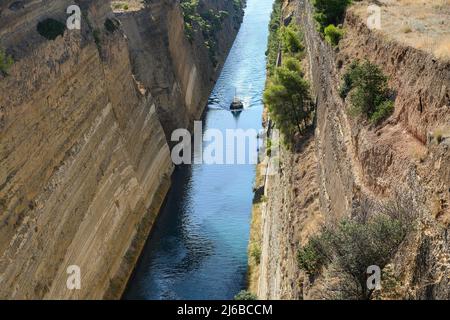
x=208 y=22
x=368 y=90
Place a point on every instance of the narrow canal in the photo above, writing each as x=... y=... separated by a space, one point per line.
x=198 y=247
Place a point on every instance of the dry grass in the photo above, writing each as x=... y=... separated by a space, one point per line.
x=423 y=24
x=259 y=178
x=440 y=210
x=255 y=241
x=255 y=231
x=406 y=29
x=442 y=50
x=441 y=133
x=418 y=153
x=127 y=5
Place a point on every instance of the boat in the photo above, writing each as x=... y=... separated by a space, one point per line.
x=237 y=104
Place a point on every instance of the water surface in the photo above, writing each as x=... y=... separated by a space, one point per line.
x=198 y=246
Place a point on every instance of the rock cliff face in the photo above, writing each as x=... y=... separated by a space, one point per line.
x=179 y=73
x=84 y=161
x=347 y=163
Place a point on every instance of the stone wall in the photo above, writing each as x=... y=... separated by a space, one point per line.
x=357 y=162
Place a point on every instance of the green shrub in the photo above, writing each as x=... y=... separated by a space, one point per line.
x=2 y=204
x=97 y=38
x=354 y=245
x=190 y=16
x=214 y=18
x=189 y=31
x=6 y=62
x=313 y=256
x=51 y=28
x=370 y=88
x=269 y=147
x=237 y=4
x=111 y=25
x=255 y=253
x=329 y=12
x=287 y=93
x=289 y=102
x=223 y=15
x=189 y=9
x=245 y=295
x=291 y=39
x=369 y=91
x=347 y=83
x=333 y=34
x=274 y=35
x=208 y=23
x=383 y=111
x=293 y=64
x=121 y=5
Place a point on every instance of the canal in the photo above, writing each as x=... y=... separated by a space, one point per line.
x=198 y=246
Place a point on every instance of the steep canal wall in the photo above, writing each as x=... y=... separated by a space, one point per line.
x=197 y=249
x=84 y=158
x=346 y=164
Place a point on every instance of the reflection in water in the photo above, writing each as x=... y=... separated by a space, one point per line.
x=198 y=246
x=236 y=115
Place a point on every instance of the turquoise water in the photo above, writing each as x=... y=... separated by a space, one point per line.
x=198 y=246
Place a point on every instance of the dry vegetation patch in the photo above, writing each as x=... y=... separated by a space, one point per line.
x=127 y=5
x=422 y=24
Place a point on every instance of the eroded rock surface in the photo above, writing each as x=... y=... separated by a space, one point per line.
x=84 y=160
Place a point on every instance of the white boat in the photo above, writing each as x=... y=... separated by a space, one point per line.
x=237 y=104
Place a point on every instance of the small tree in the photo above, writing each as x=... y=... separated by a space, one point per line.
x=357 y=243
x=274 y=35
x=111 y=25
x=384 y=110
x=289 y=101
x=370 y=88
x=333 y=34
x=348 y=78
x=255 y=252
x=315 y=254
x=329 y=12
x=51 y=28
x=291 y=39
x=294 y=65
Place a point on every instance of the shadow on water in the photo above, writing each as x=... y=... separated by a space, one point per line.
x=198 y=245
